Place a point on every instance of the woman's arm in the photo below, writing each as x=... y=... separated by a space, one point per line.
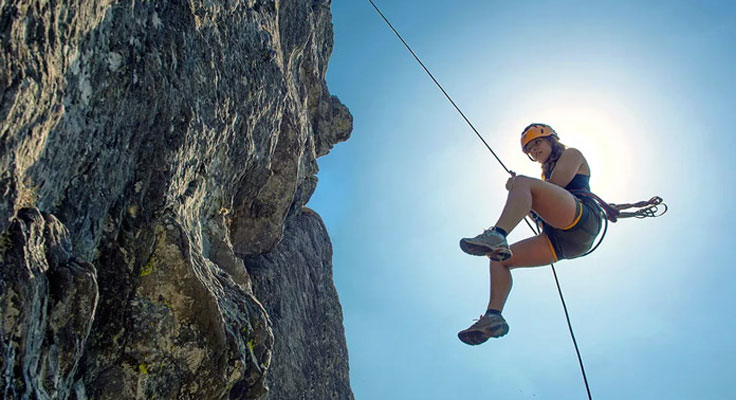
x=567 y=166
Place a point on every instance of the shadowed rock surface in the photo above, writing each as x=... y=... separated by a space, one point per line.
x=302 y=263
x=146 y=149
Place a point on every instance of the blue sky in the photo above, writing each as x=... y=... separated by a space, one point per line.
x=646 y=90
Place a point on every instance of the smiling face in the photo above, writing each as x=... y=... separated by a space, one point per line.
x=539 y=149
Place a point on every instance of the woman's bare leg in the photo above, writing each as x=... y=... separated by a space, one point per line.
x=553 y=203
x=532 y=252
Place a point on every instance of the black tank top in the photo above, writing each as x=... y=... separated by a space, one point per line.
x=579 y=181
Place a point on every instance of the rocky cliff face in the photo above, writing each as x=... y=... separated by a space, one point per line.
x=294 y=284
x=155 y=158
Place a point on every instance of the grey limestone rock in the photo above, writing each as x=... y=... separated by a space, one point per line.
x=146 y=149
x=47 y=305
x=305 y=292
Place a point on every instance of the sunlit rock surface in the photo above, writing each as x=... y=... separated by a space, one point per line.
x=146 y=150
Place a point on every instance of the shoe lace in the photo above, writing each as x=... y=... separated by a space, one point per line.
x=476 y=320
x=489 y=231
x=485 y=233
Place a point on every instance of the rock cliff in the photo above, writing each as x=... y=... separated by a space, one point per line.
x=155 y=160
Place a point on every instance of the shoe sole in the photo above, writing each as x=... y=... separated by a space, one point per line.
x=501 y=254
x=479 y=336
x=481 y=249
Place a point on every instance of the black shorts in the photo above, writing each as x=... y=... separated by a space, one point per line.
x=577 y=239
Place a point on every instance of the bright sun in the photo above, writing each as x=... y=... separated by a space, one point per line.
x=602 y=133
x=603 y=140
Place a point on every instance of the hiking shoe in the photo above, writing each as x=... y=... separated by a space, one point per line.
x=488 y=326
x=489 y=243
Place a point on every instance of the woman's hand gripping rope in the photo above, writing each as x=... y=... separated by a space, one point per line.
x=510 y=182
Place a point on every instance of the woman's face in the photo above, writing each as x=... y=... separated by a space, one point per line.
x=539 y=149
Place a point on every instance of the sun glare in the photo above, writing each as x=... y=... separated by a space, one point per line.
x=605 y=135
x=603 y=140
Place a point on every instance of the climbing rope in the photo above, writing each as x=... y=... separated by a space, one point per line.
x=441 y=88
x=554 y=272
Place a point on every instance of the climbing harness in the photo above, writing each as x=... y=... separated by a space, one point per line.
x=645 y=208
x=614 y=212
x=611 y=211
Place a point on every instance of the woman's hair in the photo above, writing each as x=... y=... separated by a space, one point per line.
x=557 y=150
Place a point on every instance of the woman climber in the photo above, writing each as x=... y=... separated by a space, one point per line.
x=569 y=223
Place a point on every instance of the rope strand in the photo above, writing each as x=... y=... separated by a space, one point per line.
x=554 y=272
x=567 y=317
x=441 y=88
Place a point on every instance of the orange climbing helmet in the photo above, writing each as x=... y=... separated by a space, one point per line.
x=534 y=131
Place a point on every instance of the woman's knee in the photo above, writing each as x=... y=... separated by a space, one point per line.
x=522 y=180
x=517 y=183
